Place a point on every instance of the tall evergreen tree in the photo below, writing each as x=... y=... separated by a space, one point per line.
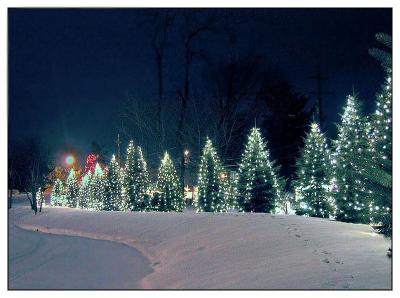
x=71 y=189
x=380 y=170
x=352 y=203
x=210 y=194
x=259 y=185
x=170 y=197
x=84 y=191
x=285 y=123
x=57 y=194
x=312 y=192
x=114 y=186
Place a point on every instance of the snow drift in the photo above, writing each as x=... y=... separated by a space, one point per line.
x=232 y=250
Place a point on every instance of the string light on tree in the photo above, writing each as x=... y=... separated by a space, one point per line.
x=312 y=193
x=210 y=187
x=97 y=189
x=84 y=191
x=137 y=180
x=115 y=198
x=71 y=190
x=169 y=196
x=57 y=195
x=259 y=186
x=352 y=203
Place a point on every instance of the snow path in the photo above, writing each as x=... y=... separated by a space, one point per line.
x=228 y=250
x=43 y=261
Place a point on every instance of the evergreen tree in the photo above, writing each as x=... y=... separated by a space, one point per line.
x=380 y=170
x=141 y=182
x=312 y=192
x=84 y=191
x=57 y=195
x=210 y=194
x=259 y=186
x=97 y=190
x=115 y=185
x=130 y=175
x=71 y=189
x=170 y=197
x=137 y=180
x=352 y=203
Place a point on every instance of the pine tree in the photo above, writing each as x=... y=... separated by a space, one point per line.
x=115 y=184
x=352 y=203
x=71 y=190
x=137 y=179
x=170 y=197
x=83 y=194
x=97 y=190
x=210 y=187
x=259 y=185
x=312 y=192
x=57 y=195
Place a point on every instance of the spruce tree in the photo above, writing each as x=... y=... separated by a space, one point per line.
x=141 y=182
x=97 y=189
x=210 y=187
x=380 y=170
x=71 y=190
x=114 y=186
x=57 y=194
x=259 y=186
x=137 y=179
x=83 y=194
x=312 y=193
x=352 y=203
x=130 y=175
x=170 y=196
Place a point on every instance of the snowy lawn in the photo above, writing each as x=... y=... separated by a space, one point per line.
x=226 y=250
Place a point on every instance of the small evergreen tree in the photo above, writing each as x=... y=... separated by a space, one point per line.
x=170 y=196
x=137 y=180
x=84 y=191
x=130 y=175
x=57 y=194
x=259 y=185
x=352 y=203
x=97 y=189
x=71 y=190
x=115 y=185
x=312 y=192
x=210 y=194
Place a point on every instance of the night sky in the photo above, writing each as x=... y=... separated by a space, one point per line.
x=70 y=70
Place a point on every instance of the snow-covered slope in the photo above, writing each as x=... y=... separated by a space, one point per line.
x=232 y=250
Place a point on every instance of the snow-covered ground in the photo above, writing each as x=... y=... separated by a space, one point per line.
x=210 y=251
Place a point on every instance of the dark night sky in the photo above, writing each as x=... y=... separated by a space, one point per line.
x=70 y=70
